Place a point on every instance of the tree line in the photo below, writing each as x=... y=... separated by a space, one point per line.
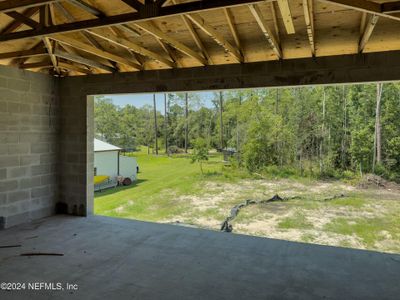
x=323 y=130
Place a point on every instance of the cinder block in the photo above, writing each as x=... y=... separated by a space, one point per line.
x=18 y=148
x=40 y=170
x=17 y=172
x=3 y=174
x=18 y=196
x=40 y=192
x=26 y=183
x=18 y=84
x=8 y=185
x=29 y=160
x=9 y=161
x=40 y=148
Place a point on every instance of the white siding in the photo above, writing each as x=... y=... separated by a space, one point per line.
x=128 y=167
x=106 y=163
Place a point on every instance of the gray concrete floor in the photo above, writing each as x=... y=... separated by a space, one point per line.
x=123 y=259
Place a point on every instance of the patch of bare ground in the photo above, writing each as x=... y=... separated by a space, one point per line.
x=209 y=209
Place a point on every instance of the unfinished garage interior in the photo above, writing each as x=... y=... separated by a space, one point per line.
x=56 y=55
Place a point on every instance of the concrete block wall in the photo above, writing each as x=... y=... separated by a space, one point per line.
x=28 y=146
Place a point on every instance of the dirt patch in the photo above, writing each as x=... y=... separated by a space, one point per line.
x=211 y=208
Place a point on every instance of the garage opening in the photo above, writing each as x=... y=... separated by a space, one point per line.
x=317 y=164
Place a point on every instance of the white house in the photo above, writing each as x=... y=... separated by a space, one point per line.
x=108 y=161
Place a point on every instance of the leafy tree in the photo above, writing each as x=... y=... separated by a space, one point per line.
x=200 y=152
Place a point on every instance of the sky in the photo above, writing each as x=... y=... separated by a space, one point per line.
x=139 y=100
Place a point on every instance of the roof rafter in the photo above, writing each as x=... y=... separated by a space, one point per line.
x=232 y=27
x=14 y=25
x=82 y=60
x=75 y=68
x=255 y=10
x=35 y=51
x=309 y=18
x=132 y=46
x=23 y=19
x=276 y=24
x=195 y=36
x=369 y=28
x=90 y=49
x=11 y=5
x=286 y=15
x=171 y=41
x=171 y=10
x=36 y=65
x=216 y=36
x=368 y=7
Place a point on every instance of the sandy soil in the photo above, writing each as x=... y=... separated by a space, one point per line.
x=210 y=209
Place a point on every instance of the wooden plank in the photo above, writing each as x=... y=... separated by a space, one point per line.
x=11 y=5
x=132 y=46
x=36 y=65
x=53 y=58
x=309 y=18
x=216 y=36
x=171 y=10
x=72 y=67
x=286 y=15
x=369 y=28
x=36 y=51
x=365 y=6
x=82 y=60
x=276 y=24
x=171 y=41
x=90 y=49
x=266 y=30
x=232 y=27
x=13 y=26
x=134 y=4
x=23 y=19
x=195 y=36
x=363 y=22
x=391 y=7
x=88 y=8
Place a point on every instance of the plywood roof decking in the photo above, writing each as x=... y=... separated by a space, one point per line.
x=332 y=27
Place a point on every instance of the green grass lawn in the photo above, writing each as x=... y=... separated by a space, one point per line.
x=172 y=189
x=160 y=179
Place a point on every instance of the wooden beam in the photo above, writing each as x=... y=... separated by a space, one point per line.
x=48 y=43
x=72 y=67
x=363 y=22
x=88 y=8
x=132 y=46
x=276 y=24
x=42 y=64
x=98 y=52
x=171 y=10
x=366 y=6
x=82 y=60
x=13 y=26
x=11 y=5
x=23 y=19
x=36 y=51
x=391 y=7
x=195 y=36
x=71 y=18
x=265 y=30
x=232 y=27
x=309 y=18
x=286 y=15
x=372 y=20
x=171 y=41
x=134 y=4
x=216 y=36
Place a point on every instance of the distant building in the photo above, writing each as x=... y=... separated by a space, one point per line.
x=109 y=162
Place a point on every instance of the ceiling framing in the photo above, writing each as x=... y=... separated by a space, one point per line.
x=82 y=37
